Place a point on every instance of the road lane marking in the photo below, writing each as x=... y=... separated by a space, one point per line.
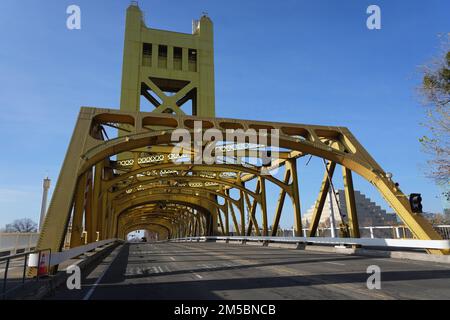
x=230 y=265
x=160 y=269
x=91 y=290
x=336 y=263
x=340 y=288
x=172 y=258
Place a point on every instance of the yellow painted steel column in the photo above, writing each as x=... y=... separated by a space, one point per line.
x=97 y=200
x=78 y=210
x=184 y=60
x=321 y=199
x=280 y=203
x=233 y=217
x=263 y=206
x=222 y=227
x=227 y=219
x=242 y=211
x=292 y=165
x=89 y=219
x=253 y=223
x=350 y=203
x=132 y=51
x=102 y=224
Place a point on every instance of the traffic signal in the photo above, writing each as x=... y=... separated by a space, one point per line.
x=415 y=200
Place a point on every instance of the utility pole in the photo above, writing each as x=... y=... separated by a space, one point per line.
x=46 y=187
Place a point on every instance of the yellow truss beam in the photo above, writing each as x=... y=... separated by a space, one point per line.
x=336 y=144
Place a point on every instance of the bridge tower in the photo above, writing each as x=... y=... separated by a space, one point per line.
x=164 y=71
x=168 y=72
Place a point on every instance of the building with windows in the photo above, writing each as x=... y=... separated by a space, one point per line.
x=369 y=213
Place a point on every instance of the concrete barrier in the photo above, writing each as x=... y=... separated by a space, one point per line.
x=13 y=243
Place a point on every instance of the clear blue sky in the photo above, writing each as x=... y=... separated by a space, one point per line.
x=324 y=65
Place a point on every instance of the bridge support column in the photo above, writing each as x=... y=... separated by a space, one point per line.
x=196 y=224
x=242 y=211
x=350 y=203
x=222 y=229
x=321 y=199
x=280 y=204
x=253 y=222
x=291 y=165
x=262 y=183
x=78 y=210
x=89 y=218
x=227 y=219
x=102 y=218
x=97 y=203
x=233 y=215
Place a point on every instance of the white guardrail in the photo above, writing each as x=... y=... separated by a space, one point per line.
x=365 y=242
x=59 y=257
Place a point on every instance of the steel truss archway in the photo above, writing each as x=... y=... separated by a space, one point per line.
x=99 y=194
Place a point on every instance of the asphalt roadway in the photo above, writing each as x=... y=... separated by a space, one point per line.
x=234 y=271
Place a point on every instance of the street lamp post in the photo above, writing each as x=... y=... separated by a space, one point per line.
x=46 y=187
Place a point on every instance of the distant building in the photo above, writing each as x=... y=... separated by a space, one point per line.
x=369 y=213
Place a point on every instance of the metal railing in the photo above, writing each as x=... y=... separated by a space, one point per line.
x=396 y=232
x=365 y=242
x=443 y=230
x=373 y=232
x=23 y=262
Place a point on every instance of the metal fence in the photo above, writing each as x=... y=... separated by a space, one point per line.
x=365 y=242
x=13 y=270
x=443 y=230
x=374 y=232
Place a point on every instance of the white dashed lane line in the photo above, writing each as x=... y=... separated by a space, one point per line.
x=336 y=263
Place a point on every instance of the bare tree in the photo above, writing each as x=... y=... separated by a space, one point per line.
x=21 y=225
x=435 y=90
x=439 y=219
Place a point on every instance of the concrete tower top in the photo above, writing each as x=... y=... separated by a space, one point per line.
x=165 y=71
